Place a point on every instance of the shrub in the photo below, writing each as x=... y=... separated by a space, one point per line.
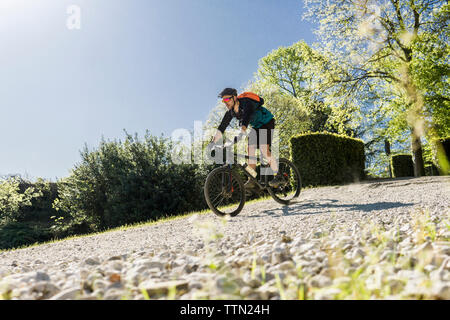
x=402 y=165
x=41 y=208
x=18 y=234
x=328 y=158
x=26 y=212
x=431 y=169
x=129 y=182
x=446 y=145
x=442 y=155
x=13 y=202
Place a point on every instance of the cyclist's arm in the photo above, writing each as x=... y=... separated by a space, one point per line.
x=249 y=107
x=217 y=136
x=223 y=125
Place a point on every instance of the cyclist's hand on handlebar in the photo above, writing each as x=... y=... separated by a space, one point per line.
x=228 y=144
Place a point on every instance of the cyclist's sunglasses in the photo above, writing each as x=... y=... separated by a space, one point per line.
x=226 y=99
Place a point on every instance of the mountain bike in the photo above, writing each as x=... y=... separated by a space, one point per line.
x=224 y=189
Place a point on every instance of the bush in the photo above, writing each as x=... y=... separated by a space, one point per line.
x=41 y=208
x=129 y=182
x=442 y=156
x=446 y=145
x=26 y=212
x=328 y=158
x=431 y=169
x=402 y=165
x=14 y=201
x=18 y=234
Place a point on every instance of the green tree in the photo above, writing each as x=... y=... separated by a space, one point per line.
x=380 y=50
x=292 y=70
x=13 y=202
x=291 y=115
x=285 y=78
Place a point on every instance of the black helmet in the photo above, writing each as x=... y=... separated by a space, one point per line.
x=228 y=92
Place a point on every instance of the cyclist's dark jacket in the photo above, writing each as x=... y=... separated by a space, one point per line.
x=250 y=111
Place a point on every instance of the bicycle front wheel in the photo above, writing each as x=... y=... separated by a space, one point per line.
x=224 y=192
x=291 y=186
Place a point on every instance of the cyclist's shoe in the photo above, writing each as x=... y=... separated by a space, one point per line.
x=250 y=184
x=276 y=181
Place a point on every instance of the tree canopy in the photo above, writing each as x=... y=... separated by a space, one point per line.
x=391 y=58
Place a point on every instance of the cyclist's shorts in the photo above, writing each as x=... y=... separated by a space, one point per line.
x=262 y=135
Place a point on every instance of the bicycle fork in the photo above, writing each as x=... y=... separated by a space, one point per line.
x=224 y=187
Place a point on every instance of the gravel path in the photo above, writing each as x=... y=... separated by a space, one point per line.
x=393 y=234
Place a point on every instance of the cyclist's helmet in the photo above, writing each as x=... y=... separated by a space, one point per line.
x=228 y=92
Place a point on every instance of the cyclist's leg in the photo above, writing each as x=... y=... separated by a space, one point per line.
x=251 y=162
x=252 y=154
x=265 y=150
x=265 y=138
x=252 y=145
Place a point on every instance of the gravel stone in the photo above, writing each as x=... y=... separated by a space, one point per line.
x=68 y=294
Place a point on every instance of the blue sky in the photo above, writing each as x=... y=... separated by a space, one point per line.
x=133 y=65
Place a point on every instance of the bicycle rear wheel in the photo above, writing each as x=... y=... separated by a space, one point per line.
x=291 y=186
x=224 y=192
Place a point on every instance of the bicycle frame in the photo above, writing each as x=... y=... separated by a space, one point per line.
x=247 y=157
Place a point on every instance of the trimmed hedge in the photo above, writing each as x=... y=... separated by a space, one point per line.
x=17 y=234
x=431 y=169
x=327 y=158
x=446 y=145
x=402 y=165
x=444 y=164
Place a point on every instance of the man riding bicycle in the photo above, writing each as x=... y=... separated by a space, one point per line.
x=250 y=111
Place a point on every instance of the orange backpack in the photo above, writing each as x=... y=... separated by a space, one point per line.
x=250 y=95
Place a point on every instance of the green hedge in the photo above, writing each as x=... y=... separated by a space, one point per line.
x=328 y=158
x=402 y=165
x=18 y=234
x=26 y=212
x=431 y=169
x=446 y=145
x=444 y=158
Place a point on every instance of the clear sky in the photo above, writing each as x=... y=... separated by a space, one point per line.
x=133 y=65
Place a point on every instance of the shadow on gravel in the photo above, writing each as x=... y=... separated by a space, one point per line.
x=328 y=205
x=400 y=182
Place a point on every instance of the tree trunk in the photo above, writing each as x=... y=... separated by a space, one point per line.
x=387 y=148
x=416 y=145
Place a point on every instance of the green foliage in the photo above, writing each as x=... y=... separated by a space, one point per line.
x=390 y=59
x=41 y=208
x=289 y=68
x=326 y=159
x=441 y=155
x=431 y=170
x=446 y=146
x=285 y=78
x=402 y=165
x=127 y=182
x=26 y=212
x=13 y=202
x=290 y=113
x=18 y=234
